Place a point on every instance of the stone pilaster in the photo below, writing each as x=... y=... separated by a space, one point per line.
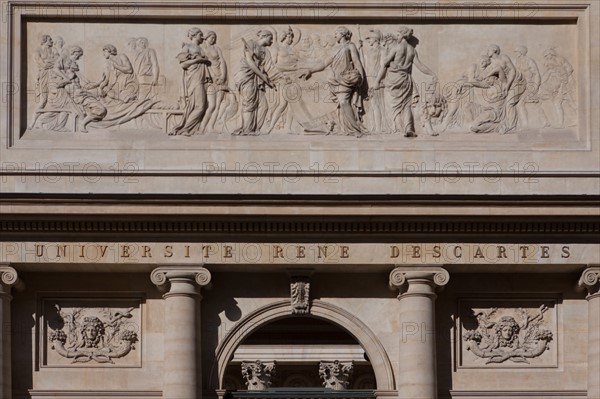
x=590 y=279
x=182 y=374
x=8 y=279
x=417 y=377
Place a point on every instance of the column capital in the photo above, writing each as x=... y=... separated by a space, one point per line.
x=183 y=279
x=590 y=280
x=9 y=277
x=403 y=277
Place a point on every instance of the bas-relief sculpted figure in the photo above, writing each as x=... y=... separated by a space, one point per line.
x=374 y=53
x=218 y=85
x=146 y=68
x=118 y=81
x=505 y=86
x=44 y=58
x=371 y=88
x=397 y=69
x=59 y=45
x=462 y=106
x=345 y=82
x=531 y=73
x=558 y=85
x=258 y=375
x=285 y=64
x=68 y=95
x=84 y=337
x=505 y=339
x=194 y=63
x=251 y=80
x=511 y=86
x=336 y=375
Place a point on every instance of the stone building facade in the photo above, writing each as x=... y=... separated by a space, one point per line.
x=343 y=199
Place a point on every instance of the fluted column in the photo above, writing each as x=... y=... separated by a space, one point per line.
x=182 y=374
x=590 y=279
x=8 y=278
x=417 y=377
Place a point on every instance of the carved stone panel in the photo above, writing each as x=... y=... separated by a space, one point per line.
x=90 y=332
x=298 y=82
x=507 y=333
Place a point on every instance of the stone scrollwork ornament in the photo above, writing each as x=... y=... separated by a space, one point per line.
x=258 y=374
x=87 y=337
x=505 y=339
x=336 y=375
x=590 y=279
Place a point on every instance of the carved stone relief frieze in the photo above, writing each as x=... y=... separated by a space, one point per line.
x=85 y=332
x=378 y=81
x=508 y=333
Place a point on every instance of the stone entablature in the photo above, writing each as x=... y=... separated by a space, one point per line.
x=297 y=253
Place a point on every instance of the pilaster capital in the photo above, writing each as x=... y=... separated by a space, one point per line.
x=182 y=279
x=9 y=277
x=590 y=280
x=430 y=278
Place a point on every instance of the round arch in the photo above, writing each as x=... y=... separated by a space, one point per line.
x=384 y=375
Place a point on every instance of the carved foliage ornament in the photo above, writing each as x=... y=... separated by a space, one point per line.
x=300 y=295
x=258 y=374
x=515 y=338
x=336 y=375
x=98 y=335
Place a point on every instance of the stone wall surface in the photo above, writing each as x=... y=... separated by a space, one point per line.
x=343 y=97
x=420 y=178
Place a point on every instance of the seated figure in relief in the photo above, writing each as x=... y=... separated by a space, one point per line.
x=69 y=93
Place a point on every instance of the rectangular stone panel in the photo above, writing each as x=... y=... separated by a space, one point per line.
x=343 y=88
x=90 y=332
x=507 y=333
